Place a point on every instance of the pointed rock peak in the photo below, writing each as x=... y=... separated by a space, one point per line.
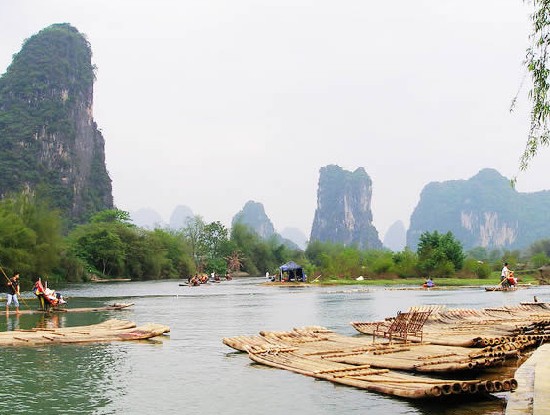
x=489 y=175
x=179 y=216
x=253 y=215
x=56 y=58
x=343 y=213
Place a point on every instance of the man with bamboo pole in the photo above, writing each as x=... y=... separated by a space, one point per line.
x=12 y=292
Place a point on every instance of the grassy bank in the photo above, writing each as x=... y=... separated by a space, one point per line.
x=440 y=282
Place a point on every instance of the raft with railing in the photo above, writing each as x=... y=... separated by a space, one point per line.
x=479 y=327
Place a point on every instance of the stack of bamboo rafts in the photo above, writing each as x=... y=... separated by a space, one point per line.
x=511 y=327
x=108 y=331
x=355 y=361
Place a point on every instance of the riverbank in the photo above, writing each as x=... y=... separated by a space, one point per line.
x=417 y=282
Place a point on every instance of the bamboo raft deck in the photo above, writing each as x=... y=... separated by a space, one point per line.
x=414 y=357
x=64 y=309
x=108 y=331
x=318 y=352
x=523 y=324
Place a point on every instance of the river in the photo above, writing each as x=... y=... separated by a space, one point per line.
x=190 y=371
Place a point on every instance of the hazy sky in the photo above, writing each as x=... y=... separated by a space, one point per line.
x=211 y=103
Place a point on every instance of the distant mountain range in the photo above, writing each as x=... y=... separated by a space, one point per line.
x=484 y=211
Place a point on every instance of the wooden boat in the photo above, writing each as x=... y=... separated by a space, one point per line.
x=64 y=309
x=320 y=353
x=108 y=331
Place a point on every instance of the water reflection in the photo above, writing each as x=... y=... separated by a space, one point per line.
x=51 y=321
x=12 y=322
x=66 y=379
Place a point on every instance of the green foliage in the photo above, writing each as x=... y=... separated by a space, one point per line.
x=383 y=263
x=111 y=216
x=192 y=232
x=479 y=268
x=41 y=94
x=540 y=247
x=536 y=61
x=405 y=263
x=439 y=254
x=338 y=260
x=30 y=235
x=110 y=245
x=209 y=244
x=259 y=255
x=539 y=260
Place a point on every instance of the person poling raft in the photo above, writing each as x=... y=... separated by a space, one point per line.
x=48 y=298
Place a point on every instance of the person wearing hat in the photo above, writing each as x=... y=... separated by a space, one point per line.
x=13 y=292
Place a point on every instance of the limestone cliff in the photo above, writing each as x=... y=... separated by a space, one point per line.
x=484 y=211
x=343 y=213
x=49 y=140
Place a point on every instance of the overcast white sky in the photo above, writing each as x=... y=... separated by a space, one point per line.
x=211 y=103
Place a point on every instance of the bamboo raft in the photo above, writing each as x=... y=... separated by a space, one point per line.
x=378 y=380
x=108 y=331
x=318 y=352
x=519 y=325
x=414 y=357
x=515 y=288
x=63 y=309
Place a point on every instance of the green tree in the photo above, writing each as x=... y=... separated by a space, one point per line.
x=193 y=230
x=439 y=254
x=100 y=247
x=538 y=260
x=30 y=235
x=540 y=247
x=479 y=268
x=214 y=247
x=405 y=263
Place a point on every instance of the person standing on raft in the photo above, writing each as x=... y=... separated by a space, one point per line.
x=12 y=292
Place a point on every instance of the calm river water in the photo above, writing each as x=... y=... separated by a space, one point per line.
x=191 y=371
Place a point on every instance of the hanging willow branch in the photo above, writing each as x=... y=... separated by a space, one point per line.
x=536 y=62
